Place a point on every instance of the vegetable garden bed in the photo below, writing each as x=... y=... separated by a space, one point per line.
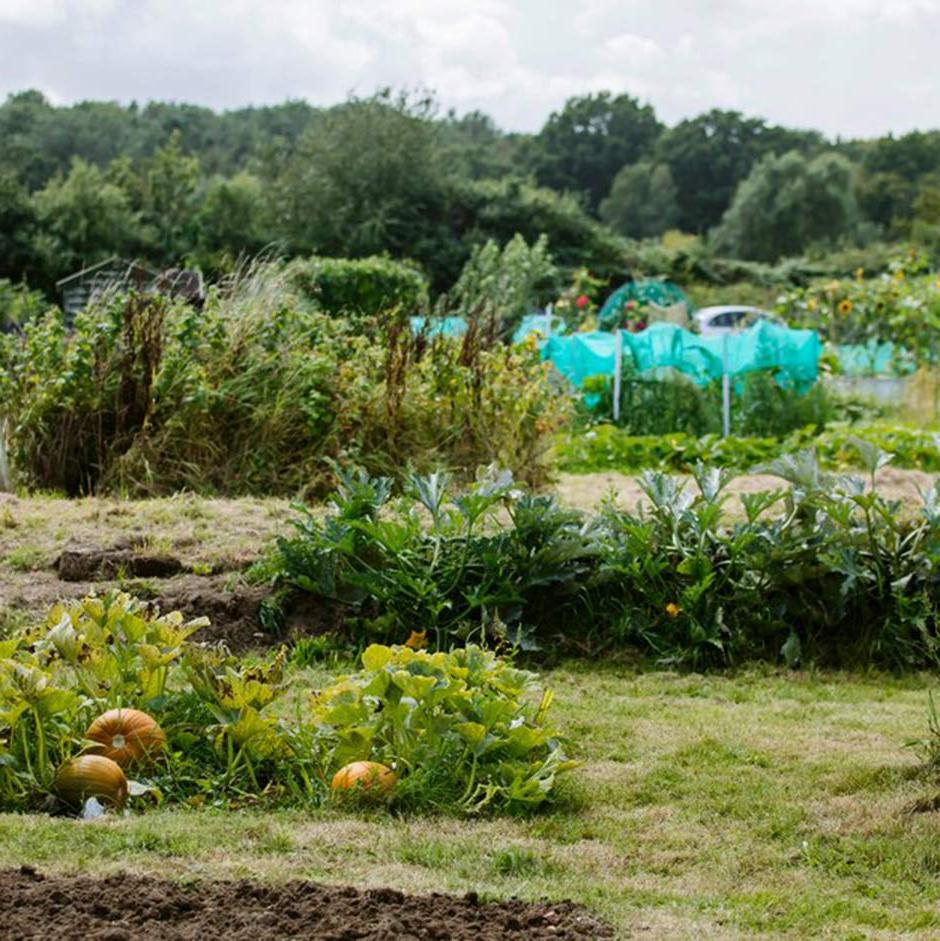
x=33 y=905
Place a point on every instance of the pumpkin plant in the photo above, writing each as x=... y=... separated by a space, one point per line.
x=462 y=729
x=108 y=688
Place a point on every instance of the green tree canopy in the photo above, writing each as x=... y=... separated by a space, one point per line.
x=582 y=147
x=232 y=220
x=17 y=227
x=83 y=219
x=366 y=179
x=642 y=201
x=886 y=199
x=170 y=197
x=710 y=155
x=789 y=203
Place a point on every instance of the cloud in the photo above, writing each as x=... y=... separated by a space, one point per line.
x=636 y=48
x=38 y=14
x=846 y=66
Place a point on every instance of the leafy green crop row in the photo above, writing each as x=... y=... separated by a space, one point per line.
x=825 y=569
x=606 y=447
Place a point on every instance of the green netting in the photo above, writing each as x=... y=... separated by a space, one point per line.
x=542 y=325
x=655 y=291
x=793 y=355
x=440 y=326
x=875 y=359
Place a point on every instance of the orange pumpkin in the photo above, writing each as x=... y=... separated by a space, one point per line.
x=365 y=775
x=127 y=736
x=91 y=776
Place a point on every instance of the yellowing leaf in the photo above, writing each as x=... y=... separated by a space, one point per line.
x=376 y=656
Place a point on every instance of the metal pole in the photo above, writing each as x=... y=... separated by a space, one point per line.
x=725 y=391
x=618 y=370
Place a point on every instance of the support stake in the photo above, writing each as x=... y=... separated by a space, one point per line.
x=618 y=372
x=725 y=391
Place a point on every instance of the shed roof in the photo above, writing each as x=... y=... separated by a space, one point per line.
x=130 y=268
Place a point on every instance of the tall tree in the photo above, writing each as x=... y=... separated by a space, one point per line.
x=82 y=219
x=170 y=204
x=642 y=201
x=582 y=147
x=232 y=220
x=911 y=155
x=887 y=199
x=17 y=228
x=710 y=155
x=789 y=203
x=367 y=179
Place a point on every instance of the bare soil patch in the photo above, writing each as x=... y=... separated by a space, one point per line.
x=585 y=491
x=133 y=907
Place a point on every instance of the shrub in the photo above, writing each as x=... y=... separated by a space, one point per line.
x=360 y=287
x=508 y=281
x=257 y=393
x=18 y=305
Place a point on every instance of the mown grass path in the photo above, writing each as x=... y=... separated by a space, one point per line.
x=763 y=804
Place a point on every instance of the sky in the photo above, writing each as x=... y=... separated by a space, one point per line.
x=850 y=68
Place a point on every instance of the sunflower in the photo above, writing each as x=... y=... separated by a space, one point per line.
x=845 y=306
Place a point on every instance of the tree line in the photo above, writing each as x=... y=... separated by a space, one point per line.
x=389 y=173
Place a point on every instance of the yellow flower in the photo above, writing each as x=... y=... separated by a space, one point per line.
x=899 y=274
x=859 y=274
x=812 y=304
x=937 y=284
x=845 y=306
x=417 y=640
x=672 y=609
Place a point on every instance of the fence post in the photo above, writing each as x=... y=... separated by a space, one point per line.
x=725 y=391
x=618 y=372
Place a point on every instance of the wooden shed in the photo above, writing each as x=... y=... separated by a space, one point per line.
x=118 y=274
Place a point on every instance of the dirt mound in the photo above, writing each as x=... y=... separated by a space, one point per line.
x=132 y=907
x=90 y=563
x=232 y=610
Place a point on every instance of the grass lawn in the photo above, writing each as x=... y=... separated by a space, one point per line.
x=762 y=804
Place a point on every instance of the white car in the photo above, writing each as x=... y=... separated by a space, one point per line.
x=714 y=321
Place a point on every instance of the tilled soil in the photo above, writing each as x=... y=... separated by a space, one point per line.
x=121 y=908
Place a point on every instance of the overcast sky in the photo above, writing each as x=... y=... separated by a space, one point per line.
x=846 y=67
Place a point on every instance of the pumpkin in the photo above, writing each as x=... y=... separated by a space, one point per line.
x=91 y=776
x=364 y=775
x=126 y=736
